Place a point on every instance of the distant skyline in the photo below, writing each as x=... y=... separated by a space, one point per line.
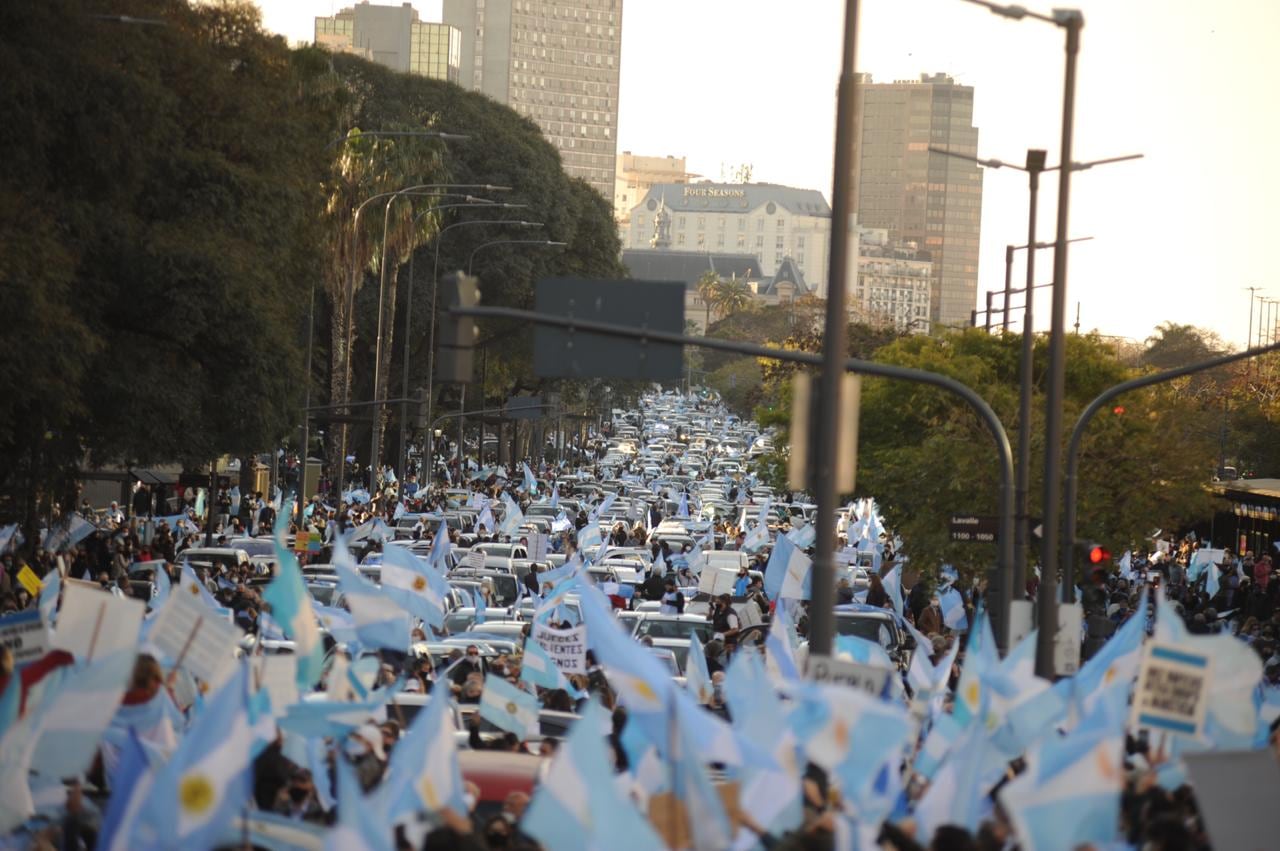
x=1177 y=235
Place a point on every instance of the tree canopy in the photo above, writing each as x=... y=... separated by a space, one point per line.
x=173 y=192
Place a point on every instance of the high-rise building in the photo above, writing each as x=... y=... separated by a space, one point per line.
x=555 y=61
x=393 y=36
x=634 y=176
x=921 y=197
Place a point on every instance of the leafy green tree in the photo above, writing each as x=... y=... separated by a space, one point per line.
x=159 y=217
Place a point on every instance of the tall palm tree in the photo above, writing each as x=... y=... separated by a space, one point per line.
x=366 y=167
x=732 y=296
x=707 y=286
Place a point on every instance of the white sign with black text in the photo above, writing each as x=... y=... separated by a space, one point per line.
x=825 y=669
x=566 y=647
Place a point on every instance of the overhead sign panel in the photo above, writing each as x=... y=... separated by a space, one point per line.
x=639 y=305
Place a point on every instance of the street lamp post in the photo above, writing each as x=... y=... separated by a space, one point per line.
x=349 y=333
x=408 y=311
x=1034 y=167
x=420 y=188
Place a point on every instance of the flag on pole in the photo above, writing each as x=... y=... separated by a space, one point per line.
x=291 y=608
x=509 y=708
x=209 y=778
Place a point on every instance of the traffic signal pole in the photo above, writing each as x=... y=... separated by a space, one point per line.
x=1070 y=480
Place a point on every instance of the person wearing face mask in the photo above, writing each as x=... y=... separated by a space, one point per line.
x=471 y=663
x=297 y=799
x=365 y=752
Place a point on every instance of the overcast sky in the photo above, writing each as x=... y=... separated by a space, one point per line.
x=1190 y=84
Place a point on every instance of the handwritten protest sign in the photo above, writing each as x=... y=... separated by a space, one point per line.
x=475 y=559
x=93 y=623
x=25 y=636
x=195 y=637
x=1173 y=689
x=566 y=647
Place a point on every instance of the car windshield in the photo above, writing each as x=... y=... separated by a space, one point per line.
x=671 y=628
x=872 y=629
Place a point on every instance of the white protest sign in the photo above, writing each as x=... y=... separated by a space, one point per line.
x=1172 y=693
x=566 y=647
x=825 y=669
x=94 y=623
x=537 y=549
x=195 y=637
x=278 y=674
x=25 y=636
x=1066 y=641
x=475 y=559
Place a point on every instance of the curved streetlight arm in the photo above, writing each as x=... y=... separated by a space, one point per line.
x=546 y=242
x=351 y=290
x=979 y=405
x=1069 y=480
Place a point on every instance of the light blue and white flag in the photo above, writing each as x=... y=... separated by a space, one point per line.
x=66 y=535
x=803 y=535
x=953 y=613
x=418 y=589
x=956 y=791
x=512 y=520
x=538 y=669
x=780 y=646
x=892 y=583
x=509 y=708
x=75 y=709
x=1069 y=795
x=530 y=482
x=697 y=678
x=578 y=806
x=379 y=621
x=209 y=779
x=161 y=587
x=788 y=574
x=7 y=536
x=49 y=597
x=359 y=827
x=291 y=608
x=130 y=787
x=682 y=511
x=758 y=536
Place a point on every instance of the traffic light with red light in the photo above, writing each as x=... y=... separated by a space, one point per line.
x=1098 y=554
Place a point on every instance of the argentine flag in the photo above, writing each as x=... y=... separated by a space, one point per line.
x=291 y=608
x=513 y=519
x=953 y=613
x=509 y=708
x=578 y=805
x=378 y=620
x=415 y=587
x=530 y=483
x=359 y=827
x=209 y=779
x=1070 y=793
x=538 y=669
x=789 y=572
